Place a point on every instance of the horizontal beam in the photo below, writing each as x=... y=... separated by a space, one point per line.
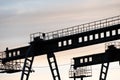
x=109 y=55
x=65 y=43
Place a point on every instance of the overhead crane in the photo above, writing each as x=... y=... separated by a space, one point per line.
x=80 y=67
x=69 y=38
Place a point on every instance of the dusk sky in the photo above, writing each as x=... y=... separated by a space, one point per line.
x=20 y=18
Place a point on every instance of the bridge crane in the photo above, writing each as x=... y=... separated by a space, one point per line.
x=81 y=66
x=48 y=43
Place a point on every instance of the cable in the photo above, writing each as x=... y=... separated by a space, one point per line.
x=48 y=66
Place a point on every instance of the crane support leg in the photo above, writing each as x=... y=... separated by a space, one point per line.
x=53 y=66
x=104 y=70
x=27 y=65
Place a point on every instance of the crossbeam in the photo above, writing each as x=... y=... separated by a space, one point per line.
x=109 y=55
x=66 y=43
x=90 y=35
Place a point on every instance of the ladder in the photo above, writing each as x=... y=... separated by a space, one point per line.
x=53 y=66
x=27 y=65
x=104 y=70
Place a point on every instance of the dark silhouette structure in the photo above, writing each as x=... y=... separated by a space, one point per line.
x=79 y=67
x=48 y=43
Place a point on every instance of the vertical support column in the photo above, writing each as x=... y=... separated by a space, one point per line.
x=81 y=78
x=104 y=70
x=27 y=65
x=74 y=76
x=53 y=66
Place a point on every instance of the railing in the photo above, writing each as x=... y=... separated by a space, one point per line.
x=115 y=44
x=12 y=65
x=38 y=34
x=79 y=71
x=2 y=55
x=78 y=29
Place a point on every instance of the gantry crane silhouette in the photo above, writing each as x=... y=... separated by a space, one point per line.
x=69 y=38
x=81 y=68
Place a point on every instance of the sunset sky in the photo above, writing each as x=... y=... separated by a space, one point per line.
x=20 y=18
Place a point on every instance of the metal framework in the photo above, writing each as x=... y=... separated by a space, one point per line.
x=28 y=64
x=111 y=54
x=53 y=66
x=9 y=67
x=77 y=36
